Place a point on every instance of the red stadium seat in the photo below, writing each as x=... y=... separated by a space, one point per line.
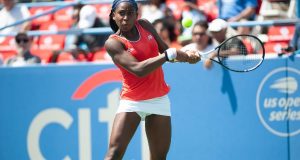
x=52 y=42
x=274 y=47
x=7 y=54
x=101 y=55
x=64 y=15
x=210 y=8
x=7 y=44
x=176 y=7
x=65 y=57
x=43 y=54
x=43 y=19
x=103 y=11
x=281 y=33
x=55 y=26
x=35 y=42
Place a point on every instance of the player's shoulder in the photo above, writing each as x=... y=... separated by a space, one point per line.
x=147 y=25
x=112 y=42
x=143 y=21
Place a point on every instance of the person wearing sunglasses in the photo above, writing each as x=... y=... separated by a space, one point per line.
x=23 y=56
x=201 y=40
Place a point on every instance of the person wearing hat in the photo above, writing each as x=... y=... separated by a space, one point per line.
x=24 y=56
x=220 y=31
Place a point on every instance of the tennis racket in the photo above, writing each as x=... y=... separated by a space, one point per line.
x=240 y=53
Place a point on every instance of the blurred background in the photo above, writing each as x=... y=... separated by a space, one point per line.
x=59 y=89
x=71 y=32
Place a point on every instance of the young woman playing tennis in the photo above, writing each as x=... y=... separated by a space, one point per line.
x=135 y=48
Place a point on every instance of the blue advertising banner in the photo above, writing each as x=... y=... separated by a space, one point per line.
x=66 y=112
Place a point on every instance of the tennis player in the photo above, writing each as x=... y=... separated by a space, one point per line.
x=135 y=48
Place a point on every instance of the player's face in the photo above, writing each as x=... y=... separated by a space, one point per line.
x=125 y=16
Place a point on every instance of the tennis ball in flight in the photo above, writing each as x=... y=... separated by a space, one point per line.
x=187 y=22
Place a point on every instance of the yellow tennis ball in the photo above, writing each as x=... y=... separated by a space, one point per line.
x=187 y=22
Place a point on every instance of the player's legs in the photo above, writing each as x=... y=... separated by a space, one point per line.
x=158 y=129
x=124 y=127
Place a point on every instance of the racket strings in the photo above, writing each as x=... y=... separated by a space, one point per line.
x=241 y=53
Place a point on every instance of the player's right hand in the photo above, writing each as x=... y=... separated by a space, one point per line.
x=193 y=57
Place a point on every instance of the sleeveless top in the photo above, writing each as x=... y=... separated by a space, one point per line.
x=142 y=88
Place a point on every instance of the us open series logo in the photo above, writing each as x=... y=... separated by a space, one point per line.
x=278 y=102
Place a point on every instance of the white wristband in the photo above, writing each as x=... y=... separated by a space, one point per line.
x=171 y=54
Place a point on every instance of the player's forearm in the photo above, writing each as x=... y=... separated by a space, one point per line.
x=145 y=67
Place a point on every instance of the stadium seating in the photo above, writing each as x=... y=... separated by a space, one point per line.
x=7 y=44
x=274 y=47
x=101 y=55
x=42 y=19
x=176 y=7
x=280 y=33
x=65 y=57
x=53 y=42
x=64 y=15
x=278 y=38
x=7 y=47
x=43 y=54
x=103 y=11
x=210 y=8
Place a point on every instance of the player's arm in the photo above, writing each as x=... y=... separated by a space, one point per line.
x=181 y=56
x=123 y=58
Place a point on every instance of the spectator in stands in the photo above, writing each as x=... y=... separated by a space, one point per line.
x=166 y=31
x=155 y=9
x=201 y=41
x=85 y=44
x=235 y=10
x=191 y=10
x=24 y=56
x=220 y=31
x=12 y=13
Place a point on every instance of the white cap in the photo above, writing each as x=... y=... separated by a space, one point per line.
x=87 y=16
x=217 y=25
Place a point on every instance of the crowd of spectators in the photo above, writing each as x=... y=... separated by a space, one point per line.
x=208 y=30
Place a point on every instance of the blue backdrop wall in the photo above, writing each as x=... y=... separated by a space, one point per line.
x=66 y=112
